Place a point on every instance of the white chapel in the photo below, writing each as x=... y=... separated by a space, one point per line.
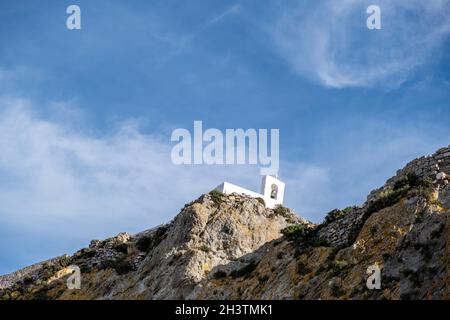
x=272 y=191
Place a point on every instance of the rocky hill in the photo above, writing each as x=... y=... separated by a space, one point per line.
x=232 y=247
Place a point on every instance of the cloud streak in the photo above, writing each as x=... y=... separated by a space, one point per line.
x=328 y=42
x=187 y=39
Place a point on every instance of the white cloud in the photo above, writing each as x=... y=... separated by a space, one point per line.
x=328 y=42
x=58 y=179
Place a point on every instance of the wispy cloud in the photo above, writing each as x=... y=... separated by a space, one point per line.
x=328 y=42
x=188 y=38
x=51 y=170
x=126 y=178
x=234 y=9
x=66 y=175
x=62 y=185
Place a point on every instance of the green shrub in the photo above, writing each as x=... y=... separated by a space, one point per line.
x=146 y=243
x=373 y=230
x=108 y=264
x=347 y=210
x=302 y=269
x=328 y=263
x=245 y=271
x=332 y=255
x=320 y=269
x=65 y=261
x=411 y=181
x=280 y=210
x=6 y=297
x=284 y=212
x=303 y=234
x=401 y=188
x=389 y=198
x=87 y=253
x=216 y=196
x=334 y=215
x=121 y=247
x=337 y=266
x=205 y=248
x=360 y=290
x=123 y=267
x=403 y=183
x=220 y=274
x=409 y=185
x=263 y=279
x=297 y=232
x=41 y=295
x=336 y=290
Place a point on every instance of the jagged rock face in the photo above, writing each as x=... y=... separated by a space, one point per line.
x=337 y=233
x=412 y=253
x=231 y=247
x=33 y=272
x=435 y=167
x=176 y=257
x=203 y=236
x=419 y=267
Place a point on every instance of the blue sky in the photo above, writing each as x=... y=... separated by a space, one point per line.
x=86 y=116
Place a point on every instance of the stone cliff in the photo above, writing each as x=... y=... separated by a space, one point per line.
x=233 y=247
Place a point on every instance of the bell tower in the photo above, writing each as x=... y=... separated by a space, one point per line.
x=273 y=190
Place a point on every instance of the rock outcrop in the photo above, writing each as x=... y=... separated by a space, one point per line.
x=166 y=262
x=233 y=247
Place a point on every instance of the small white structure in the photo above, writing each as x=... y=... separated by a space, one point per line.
x=272 y=191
